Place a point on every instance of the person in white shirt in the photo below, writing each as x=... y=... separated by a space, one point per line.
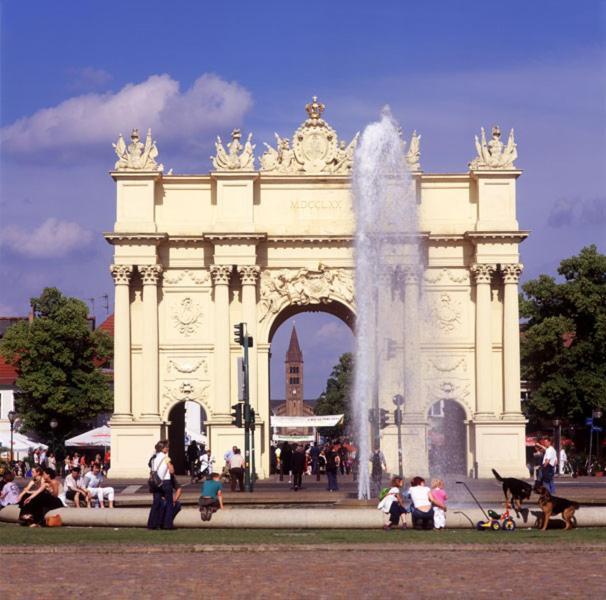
x=550 y=461
x=75 y=488
x=94 y=478
x=207 y=462
x=162 y=511
x=392 y=504
x=563 y=461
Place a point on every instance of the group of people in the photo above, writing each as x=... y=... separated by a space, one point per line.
x=167 y=491
x=200 y=461
x=427 y=505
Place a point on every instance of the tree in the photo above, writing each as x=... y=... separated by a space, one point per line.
x=56 y=357
x=563 y=345
x=335 y=399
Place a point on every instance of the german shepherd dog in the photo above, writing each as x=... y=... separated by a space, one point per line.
x=515 y=490
x=552 y=506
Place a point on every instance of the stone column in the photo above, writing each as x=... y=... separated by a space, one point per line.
x=220 y=275
x=150 y=275
x=511 y=340
x=412 y=342
x=122 y=385
x=249 y=275
x=483 y=275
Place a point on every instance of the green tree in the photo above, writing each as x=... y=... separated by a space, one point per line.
x=563 y=346
x=56 y=357
x=335 y=399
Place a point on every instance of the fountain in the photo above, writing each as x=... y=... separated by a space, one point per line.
x=387 y=273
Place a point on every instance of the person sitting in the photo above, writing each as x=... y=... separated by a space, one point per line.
x=10 y=490
x=75 y=488
x=35 y=504
x=211 y=497
x=93 y=480
x=207 y=463
x=392 y=504
x=423 y=502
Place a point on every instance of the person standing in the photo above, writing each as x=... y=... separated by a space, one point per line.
x=236 y=470
x=377 y=461
x=332 y=466
x=298 y=466
x=550 y=461
x=563 y=461
x=286 y=461
x=314 y=453
x=161 y=513
x=207 y=463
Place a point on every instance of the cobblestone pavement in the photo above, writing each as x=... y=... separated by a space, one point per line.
x=331 y=572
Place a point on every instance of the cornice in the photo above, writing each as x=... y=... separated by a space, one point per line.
x=154 y=175
x=485 y=236
x=235 y=237
x=297 y=239
x=495 y=173
x=115 y=238
x=215 y=175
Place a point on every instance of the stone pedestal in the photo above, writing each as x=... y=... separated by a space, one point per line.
x=500 y=445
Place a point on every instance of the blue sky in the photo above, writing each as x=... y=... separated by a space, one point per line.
x=74 y=74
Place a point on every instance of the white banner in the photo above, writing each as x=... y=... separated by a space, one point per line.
x=316 y=421
x=293 y=438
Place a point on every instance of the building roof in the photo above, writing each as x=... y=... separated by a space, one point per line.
x=8 y=375
x=108 y=325
x=6 y=322
x=294 y=354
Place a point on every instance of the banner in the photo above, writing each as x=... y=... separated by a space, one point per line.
x=293 y=438
x=316 y=421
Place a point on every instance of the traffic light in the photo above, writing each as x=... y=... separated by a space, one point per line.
x=239 y=333
x=252 y=419
x=236 y=415
x=397 y=416
x=383 y=418
x=372 y=416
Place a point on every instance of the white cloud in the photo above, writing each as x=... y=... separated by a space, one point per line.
x=88 y=78
x=52 y=239
x=210 y=105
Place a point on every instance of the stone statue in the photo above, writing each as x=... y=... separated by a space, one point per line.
x=236 y=157
x=315 y=148
x=413 y=155
x=137 y=156
x=494 y=154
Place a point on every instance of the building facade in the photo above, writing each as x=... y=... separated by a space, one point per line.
x=195 y=254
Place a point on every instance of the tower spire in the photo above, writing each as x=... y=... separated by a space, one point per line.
x=294 y=354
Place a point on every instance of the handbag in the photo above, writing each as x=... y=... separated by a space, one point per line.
x=53 y=521
x=154 y=483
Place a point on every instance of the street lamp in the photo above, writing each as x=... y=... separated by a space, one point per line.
x=398 y=400
x=53 y=425
x=12 y=417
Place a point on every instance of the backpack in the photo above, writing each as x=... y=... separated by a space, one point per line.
x=154 y=483
x=383 y=493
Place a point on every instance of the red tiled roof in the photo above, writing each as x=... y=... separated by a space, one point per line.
x=108 y=325
x=8 y=375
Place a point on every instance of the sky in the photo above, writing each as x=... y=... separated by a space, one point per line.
x=74 y=74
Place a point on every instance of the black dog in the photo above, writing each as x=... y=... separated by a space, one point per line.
x=515 y=490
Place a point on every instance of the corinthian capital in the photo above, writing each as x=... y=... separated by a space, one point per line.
x=220 y=274
x=482 y=272
x=150 y=274
x=121 y=273
x=249 y=274
x=511 y=272
x=410 y=275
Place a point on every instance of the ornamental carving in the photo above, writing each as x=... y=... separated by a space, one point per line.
x=121 y=273
x=315 y=148
x=413 y=156
x=303 y=287
x=446 y=275
x=494 y=154
x=150 y=274
x=482 y=272
x=447 y=365
x=512 y=272
x=249 y=274
x=446 y=312
x=187 y=367
x=197 y=277
x=220 y=274
x=183 y=392
x=448 y=389
x=187 y=317
x=236 y=157
x=137 y=156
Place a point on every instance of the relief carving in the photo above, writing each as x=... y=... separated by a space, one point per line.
x=187 y=317
x=446 y=312
x=187 y=367
x=183 y=392
x=303 y=287
x=446 y=389
x=450 y=275
x=196 y=276
x=447 y=365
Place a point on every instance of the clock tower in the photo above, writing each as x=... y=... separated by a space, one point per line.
x=293 y=376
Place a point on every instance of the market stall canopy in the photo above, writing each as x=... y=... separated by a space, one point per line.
x=315 y=421
x=293 y=438
x=100 y=436
x=21 y=443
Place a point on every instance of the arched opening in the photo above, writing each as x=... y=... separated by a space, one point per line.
x=306 y=343
x=447 y=437
x=187 y=421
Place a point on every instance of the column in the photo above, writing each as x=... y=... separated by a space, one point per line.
x=150 y=275
x=483 y=275
x=122 y=386
x=511 y=340
x=249 y=275
x=220 y=275
x=412 y=341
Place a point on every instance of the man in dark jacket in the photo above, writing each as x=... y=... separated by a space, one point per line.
x=285 y=460
x=298 y=466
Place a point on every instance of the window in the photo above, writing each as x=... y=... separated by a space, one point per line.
x=293 y=370
x=294 y=381
x=437 y=409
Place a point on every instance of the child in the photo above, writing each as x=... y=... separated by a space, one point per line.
x=439 y=514
x=211 y=497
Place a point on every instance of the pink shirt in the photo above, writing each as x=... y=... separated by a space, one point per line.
x=440 y=495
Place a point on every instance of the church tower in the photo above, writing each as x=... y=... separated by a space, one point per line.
x=293 y=369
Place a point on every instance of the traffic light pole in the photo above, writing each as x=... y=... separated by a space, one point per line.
x=247 y=457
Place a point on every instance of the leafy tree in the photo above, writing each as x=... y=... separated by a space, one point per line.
x=563 y=346
x=56 y=357
x=335 y=399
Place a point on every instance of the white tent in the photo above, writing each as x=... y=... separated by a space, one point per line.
x=21 y=443
x=100 y=436
x=315 y=421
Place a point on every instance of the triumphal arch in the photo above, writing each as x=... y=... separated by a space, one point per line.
x=260 y=238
